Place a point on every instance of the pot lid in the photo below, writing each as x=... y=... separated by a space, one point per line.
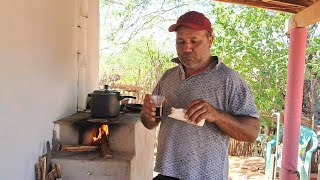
x=106 y=91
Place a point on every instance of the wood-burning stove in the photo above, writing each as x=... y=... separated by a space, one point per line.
x=130 y=145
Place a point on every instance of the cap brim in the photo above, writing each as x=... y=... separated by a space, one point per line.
x=190 y=25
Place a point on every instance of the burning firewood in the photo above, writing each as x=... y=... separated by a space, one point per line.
x=104 y=147
x=103 y=139
x=100 y=141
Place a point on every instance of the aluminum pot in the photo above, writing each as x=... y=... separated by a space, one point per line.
x=106 y=103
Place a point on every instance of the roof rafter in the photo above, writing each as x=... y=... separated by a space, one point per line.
x=293 y=3
x=292 y=6
x=305 y=17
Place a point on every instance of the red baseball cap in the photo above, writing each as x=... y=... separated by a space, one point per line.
x=194 y=20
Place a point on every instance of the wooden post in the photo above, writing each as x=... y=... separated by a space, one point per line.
x=293 y=105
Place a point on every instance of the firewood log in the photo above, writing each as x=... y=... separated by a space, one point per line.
x=51 y=175
x=58 y=169
x=38 y=171
x=48 y=163
x=43 y=166
x=75 y=148
x=104 y=147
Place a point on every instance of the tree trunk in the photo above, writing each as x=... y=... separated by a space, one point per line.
x=310 y=101
x=310 y=110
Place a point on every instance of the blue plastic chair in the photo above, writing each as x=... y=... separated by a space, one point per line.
x=304 y=160
x=262 y=139
x=270 y=145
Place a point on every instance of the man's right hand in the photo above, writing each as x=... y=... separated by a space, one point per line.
x=148 y=113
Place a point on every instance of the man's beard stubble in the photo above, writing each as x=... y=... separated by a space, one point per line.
x=188 y=60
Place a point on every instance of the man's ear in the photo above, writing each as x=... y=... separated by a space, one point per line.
x=211 y=39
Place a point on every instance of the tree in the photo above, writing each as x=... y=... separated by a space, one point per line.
x=252 y=42
x=312 y=76
x=249 y=40
x=134 y=34
x=140 y=64
x=124 y=21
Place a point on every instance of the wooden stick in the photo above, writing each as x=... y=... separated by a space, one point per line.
x=38 y=171
x=58 y=169
x=51 y=175
x=104 y=147
x=74 y=148
x=48 y=164
x=43 y=166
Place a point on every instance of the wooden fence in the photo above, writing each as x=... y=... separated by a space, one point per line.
x=130 y=90
x=238 y=148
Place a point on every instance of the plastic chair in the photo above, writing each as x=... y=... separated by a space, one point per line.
x=261 y=138
x=304 y=159
x=270 y=145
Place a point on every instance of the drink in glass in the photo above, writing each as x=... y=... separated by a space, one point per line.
x=158 y=101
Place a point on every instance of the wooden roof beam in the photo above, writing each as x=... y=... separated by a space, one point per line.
x=264 y=5
x=294 y=3
x=304 y=18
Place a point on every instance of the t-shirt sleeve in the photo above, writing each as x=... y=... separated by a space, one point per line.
x=240 y=99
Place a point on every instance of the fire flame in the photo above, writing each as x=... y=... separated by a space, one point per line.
x=104 y=129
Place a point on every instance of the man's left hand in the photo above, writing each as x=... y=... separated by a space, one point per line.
x=242 y=128
x=200 y=109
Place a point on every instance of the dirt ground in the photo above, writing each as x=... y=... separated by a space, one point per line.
x=241 y=168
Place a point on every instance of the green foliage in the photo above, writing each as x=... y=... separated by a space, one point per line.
x=141 y=64
x=125 y=21
x=313 y=56
x=252 y=42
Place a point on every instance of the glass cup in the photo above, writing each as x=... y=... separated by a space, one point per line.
x=158 y=100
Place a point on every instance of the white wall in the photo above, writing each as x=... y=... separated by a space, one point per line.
x=38 y=78
x=93 y=25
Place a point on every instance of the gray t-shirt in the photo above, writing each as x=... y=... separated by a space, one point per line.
x=190 y=152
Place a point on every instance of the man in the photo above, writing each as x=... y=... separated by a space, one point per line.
x=208 y=90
